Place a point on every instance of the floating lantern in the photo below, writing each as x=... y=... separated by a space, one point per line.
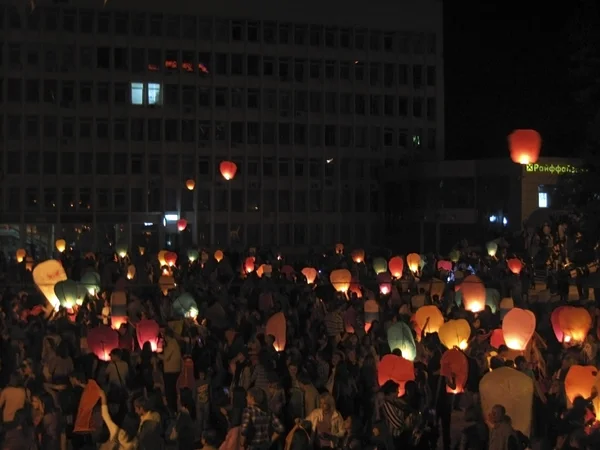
x=400 y=337
x=497 y=338
x=102 y=340
x=580 y=382
x=21 y=254
x=121 y=250
x=228 y=169
x=339 y=248
x=161 y=257
x=396 y=266
x=66 y=293
x=148 y=331
x=379 y=265
x=524 y=146
x=249 y=264
x=515 y=265
x=395 y=368
x=260 y=271
x=492 y=248
x=91 y=281
x=455 y=367
x=428 y=319
x=455 y=334
x=190 y=184
x=142 y=250
x=193 y=255
x=181 y=224
x=340 y=279
x=218 y=256
x=358 y=256
x=171 y=259
x=29 y=263
x=518 y=327
x=131 y=271
x=454 y=256
x=166 y=283
x=185 y=306
x=277 y=327
x=385 y=283
x=413 y=260
x=116 y=322
x=45 y=276
x=473 y=294
x=571 y=324
x=444 y=266
x=61 y=245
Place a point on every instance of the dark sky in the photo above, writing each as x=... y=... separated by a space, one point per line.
x=505 y=68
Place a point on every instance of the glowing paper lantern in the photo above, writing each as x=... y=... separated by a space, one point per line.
x=580 y=381
x=428 y=319
x=91 y=281
x=395 y=368
x=445 y=265
x=385 y=283
x=142 y=250
x=379 y=265
x=396 y=266
x=192 y=255
x=455 y=367
x=171 y=259
x=203 y=257
x=66 y=293
x=497 y=338
x=310 y=273
x=455 y=334
x=61 y=245
x=190 y=184
x=473 y=294
x=358 y=256
x=249 y=264
x=515 y=265
x=413 y=260
x=131 y=270
x=21 y=254
x=228 y=169
x=45 y=277
x=524 y=146
x=277 y=327
x=454 y=256
x=512 y=389
x=492 y=248
x=166 y=283
x=518 y=327
x=340 y=279
x=181 y=224
x=29 y=263
x=571 y=324
x=218 y=256
x=116 y=322
x=399 y=336
x=161 y=257
x=339 y=248
x=102 y=340
x=147 y=331
x=267 y=270
x=185 y=306
x=121 y=249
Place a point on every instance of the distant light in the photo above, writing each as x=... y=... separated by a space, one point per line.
x=148 y=224
x=171 y=217
x=329 y=161
x=504 y=221
x=493 y=219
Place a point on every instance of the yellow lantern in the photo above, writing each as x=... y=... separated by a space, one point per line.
x=341 y=279
x=518 y=327
x=161 y=258
x=219 y=256
x=455 y=334
x=45 y=276
x=413 y=260
x=358 y=256
x=492 y=248
x=21 y=254
x=61 y=245
x=190 y=184
x=428 y=319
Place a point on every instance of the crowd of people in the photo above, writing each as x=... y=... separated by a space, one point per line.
x=218 y=379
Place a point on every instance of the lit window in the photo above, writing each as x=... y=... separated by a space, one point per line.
x=137 y=93
x=154 y=94
x=542 y=200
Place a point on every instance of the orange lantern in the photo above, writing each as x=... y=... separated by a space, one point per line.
x=102 y=340
x=518 y=327
x=181 y=224
x=171 y=258
x=61 y=245
x=428 y=319
x=228 y=169
x=397 y=369
x=260 y=271
x=515 y=265
x=473 y=294
x=413 y=260
x=396 y=266
x=131 y=270
x=161 y=257
x=572 y=323
x=277 y=327
x=190 y=184
x=117 y=321
x=339 y=248
x=147 y=331
x=340 y=279
x=455 y=334
x=249 y=264
x=497 y=338
x=524 y=146
x=358 y=256
x=310 y=273
x=21 y=254
x=580 y=381
x=455 y=367
x=218 y=256
x=385 y=283
x=29 y=263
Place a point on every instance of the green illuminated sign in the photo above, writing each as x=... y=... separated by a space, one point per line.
x=554 y=169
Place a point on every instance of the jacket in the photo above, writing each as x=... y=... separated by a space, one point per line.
x=337 y=421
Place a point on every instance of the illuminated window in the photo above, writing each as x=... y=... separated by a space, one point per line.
x=542 y=200
x=154 y=94
x=137 y=93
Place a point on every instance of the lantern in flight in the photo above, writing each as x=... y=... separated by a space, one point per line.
x=339 y=248
x=492 y=248
x=428 y=319
x=249 y=264
x=340 y=280
x=385 y=283
x=46 y=275
x=228 y=169
x=277 y=327
x=413 y=260
x=161 y=257
x=148 y=331
x=21 y=254
x=131 y=271
x=515 y=265
x=310 y=273
x=190 y=184
x=379 y=265
x=518 y=327
x=524 y=146
x=171 y=259
x=473 y=294
x=396 y=266
x=193 y=255
x=400 y=337
x=358 y=256
x=61 y=245
x=218 y=256
x=181 y=224
x=455 y=334
x=121 y=249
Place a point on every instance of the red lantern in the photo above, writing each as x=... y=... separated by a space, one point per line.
x=171 y=258
x=397 y=369
x=228 y=169
x=497 y=338
x=249 y=264
x=181 y=224
x=148 y=331
x=445 y=265
x=102 y=340
x=396 y=266
x=455 y=368
x=525 y=146
x=515 y=265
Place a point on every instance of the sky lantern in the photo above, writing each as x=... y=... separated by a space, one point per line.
x=524 y=146
x=358 y=256
x=91 y=281
x=512 y=389
x=185 y=306
x=260 y=271
x=121 y=249
x=310 y=273
x=428 y=319
x=171 y=258
x=473 y=294
x=339 y=248
x=161 y=257
x=21 y=254
x=455 y=367
x=400 y=337
x=444 y=265
x=148 y=331
x=580 y=381
x=497 y=338
x=395 y=368
x=267 y=270
x=571 y=324
x=412 y=261
x=454 y=256
x=131 y=271
x=514 y=265
x=190 y=184
x=45 y=276
x=518 y=327
x=379 y=265
x=166 y=283
x=29 y=263
x=66 y=293
x=455 y=334
x=181 y=224
x=385 y=283
x=193 y=255
x=340 y=279
x=277 y=327
x=61 y=245
x=102 y=340
x=218 y=256
x=249 y=264
x=396 y=266
x=228 y=169
x=492 y=248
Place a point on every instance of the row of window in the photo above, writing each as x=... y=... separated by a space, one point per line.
x=236 y=200
x=141 y=24
x=173 y=165
x=205 y=131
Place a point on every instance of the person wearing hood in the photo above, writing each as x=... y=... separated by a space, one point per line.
x=502 y=434
x=149 y=432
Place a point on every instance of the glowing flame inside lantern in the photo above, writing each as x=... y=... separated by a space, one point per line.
x=190 y=184
x=228 y=169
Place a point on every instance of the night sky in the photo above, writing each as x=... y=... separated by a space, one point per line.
x=506 y=67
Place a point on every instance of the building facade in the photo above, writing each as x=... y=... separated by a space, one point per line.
x=106 y=112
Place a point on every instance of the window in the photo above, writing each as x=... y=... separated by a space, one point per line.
x=542 y=199
x=154 y=94
x=137 y=93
